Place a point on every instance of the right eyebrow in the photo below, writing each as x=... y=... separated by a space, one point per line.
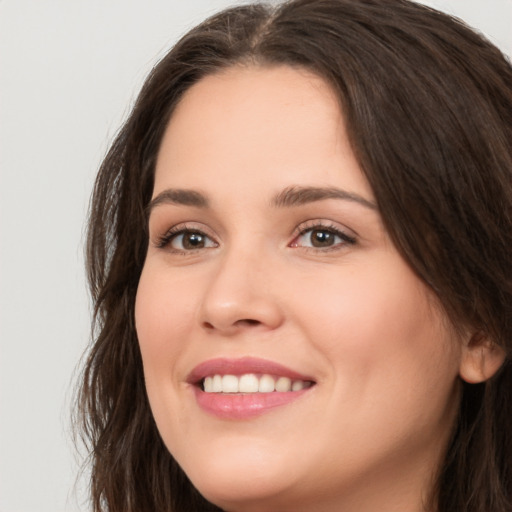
x=178 y=196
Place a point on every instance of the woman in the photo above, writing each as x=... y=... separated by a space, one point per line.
x=299 y=252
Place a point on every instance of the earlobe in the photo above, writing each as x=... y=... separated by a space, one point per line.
x=481 y=359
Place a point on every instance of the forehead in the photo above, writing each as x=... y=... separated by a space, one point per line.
x=278 y=122
x=278 y=86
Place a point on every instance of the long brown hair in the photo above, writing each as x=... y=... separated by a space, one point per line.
x=428 y=105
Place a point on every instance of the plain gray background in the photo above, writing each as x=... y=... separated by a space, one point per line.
x=69 y=70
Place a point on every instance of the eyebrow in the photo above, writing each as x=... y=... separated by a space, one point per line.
x=288 y=197
x=178 y=196
x=296 y=196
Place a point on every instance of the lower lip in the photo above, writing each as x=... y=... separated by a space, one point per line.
x=243 y=406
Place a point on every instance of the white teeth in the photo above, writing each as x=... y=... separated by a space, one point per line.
x=217 y=384
x=297 y=385
x=283 y=384
x=208 y=384
x=251 y=383
x=229 y=384
x=267 y=384
x=248 y=383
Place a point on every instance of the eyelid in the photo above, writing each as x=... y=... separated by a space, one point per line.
x=162 y=241
x=348 y=236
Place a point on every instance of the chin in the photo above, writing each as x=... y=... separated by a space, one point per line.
x=241 y=490
x=244 y=478
x=243 y=494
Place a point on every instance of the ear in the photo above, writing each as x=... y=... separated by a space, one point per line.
x=481 y=359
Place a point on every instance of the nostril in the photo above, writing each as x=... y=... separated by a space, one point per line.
x=248 y=321
x=238 y=324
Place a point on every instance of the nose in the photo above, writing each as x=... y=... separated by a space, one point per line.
x=241 y=295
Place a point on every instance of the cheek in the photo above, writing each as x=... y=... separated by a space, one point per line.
x=164 y=309
x=393 y=364
x=381 y=331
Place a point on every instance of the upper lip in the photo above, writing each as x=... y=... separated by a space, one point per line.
x=241 y=366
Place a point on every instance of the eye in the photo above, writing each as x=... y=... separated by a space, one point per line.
x=322 y=237
x=185 y=239
x=190 y=240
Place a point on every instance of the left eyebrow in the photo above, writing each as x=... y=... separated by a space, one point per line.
x=296 y=196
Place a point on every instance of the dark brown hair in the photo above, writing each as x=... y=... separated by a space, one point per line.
x=428 y=105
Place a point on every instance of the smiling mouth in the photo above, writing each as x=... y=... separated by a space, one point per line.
x=247 y=387
x=251 y=383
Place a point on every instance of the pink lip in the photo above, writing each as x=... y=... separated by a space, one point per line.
x=238 y=405
x=224 y=366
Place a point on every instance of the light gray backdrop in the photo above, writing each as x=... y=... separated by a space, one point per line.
x=69 y=70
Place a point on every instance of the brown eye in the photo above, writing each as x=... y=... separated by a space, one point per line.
x=193 y=241
x=322 y=238
x=187 y=240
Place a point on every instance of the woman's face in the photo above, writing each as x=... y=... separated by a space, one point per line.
x=331 y=372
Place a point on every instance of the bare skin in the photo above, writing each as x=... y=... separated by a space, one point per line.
x=276 y=250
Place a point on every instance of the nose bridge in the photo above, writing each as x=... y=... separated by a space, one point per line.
x=240 y=293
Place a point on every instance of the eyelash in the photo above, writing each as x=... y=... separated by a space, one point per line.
x=166 y=239
x=181 y=229
x=316 y=225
